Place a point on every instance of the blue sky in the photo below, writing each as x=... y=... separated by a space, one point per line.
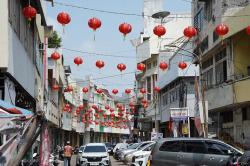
x=79 y=36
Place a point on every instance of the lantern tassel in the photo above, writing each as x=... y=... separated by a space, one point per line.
x=63 y=28
x=124 y=37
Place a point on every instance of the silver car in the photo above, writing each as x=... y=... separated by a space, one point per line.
x=133 y=148
x=192 y=151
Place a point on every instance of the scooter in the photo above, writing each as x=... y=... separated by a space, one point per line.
x=53 y=160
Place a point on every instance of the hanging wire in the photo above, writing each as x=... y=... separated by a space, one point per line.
x=175 y=15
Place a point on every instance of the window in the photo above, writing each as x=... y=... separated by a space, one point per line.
x=165 y=99
x=148 y=66
x=198 y=20
x=220 y=67
x=208 y=10
x=149 y=148
x=195 y=147
x=154 y=63
x=208 y=78
x=245 y=113
x=172 y=146
x=207 y=63
x=93 y=149
x=149 y=88
x=216 y=148
x=227 y=116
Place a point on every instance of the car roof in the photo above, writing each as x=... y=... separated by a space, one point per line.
x=95 y=144
x=187 y=139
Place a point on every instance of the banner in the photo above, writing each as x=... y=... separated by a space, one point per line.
x=45 y=147
x=197 y=120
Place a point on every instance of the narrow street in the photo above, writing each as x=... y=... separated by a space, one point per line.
x=113 y=162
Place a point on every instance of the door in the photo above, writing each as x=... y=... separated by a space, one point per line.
x=167 y=154
x=193 y=153
x=217 y=153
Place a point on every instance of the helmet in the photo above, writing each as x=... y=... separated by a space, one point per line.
x=68 y=142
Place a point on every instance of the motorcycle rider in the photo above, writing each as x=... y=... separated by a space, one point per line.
x=68 y=151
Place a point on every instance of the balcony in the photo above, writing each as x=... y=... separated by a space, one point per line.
x=242 y=90
x=146 y=49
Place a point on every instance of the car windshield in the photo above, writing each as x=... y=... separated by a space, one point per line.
x=142 y=146
x=81 y=148
x=134 y=146
x=93 y=149
x=108 y=144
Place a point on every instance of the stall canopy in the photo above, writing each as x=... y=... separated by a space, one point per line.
x=11 y=109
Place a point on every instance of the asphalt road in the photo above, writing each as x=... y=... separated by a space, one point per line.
x=113 y=162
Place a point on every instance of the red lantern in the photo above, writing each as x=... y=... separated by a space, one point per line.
x=248 y=30
x=90 y=110
x=125 y=28
x=55 y=87
x=68 y=89
x=94 y=107
x=96 y=122
x=142 y=90
x=115 y=91
x=111 y=110
x=78 y=61
x=29 y=12
x=145 y=105
x=100 y=64
x=127 y=91
x=182 y=65
x=99 y=91
x=69 y=110
x=120 y=114
x=163 y=65
x=131 y=104
x=190 y=32
x=107 y=107
x=157 y=89
x=81 y=107
x=141 y=66
x=90 y=121
x=159 y=30
x=94 y=23
x=99 y=110
x=144 y=101
x=96 y=114
x=121 y=67
x=55 y=56
x=119 y=105
x=222 y=29
x=77 y=111
x=63 y=18
x=112 y=115
x=85 y=90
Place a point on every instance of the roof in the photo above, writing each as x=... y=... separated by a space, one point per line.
x=95 y=144
x=187 y=139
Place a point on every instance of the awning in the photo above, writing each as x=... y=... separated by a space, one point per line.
x=8 y=107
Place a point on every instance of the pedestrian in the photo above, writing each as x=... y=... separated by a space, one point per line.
x=68 y=151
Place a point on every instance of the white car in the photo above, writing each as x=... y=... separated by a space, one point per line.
x=95 y=154
x=78 y=157
x=140 y=157
x=120 y=146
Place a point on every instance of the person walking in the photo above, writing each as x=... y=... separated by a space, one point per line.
x=68 y=151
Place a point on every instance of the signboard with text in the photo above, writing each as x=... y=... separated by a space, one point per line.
x=178 y=113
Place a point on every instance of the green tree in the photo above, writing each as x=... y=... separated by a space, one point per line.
x=54 y=41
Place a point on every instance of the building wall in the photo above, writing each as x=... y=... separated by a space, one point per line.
x=4 y=31
x=241 y=49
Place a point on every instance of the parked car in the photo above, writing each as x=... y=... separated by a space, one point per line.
x=244 y=160
x=118 y=153
x=118 y=148
x=142 y=152
x=78 y=157
x=133 y=149
x=109 y=147
x=192 y=151
x=95 y=154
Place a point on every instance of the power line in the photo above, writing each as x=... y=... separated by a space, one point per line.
x=175 y=15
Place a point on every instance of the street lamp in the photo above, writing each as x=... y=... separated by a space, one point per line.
x=161 y=15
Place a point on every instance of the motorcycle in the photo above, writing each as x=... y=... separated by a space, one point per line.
x=53 y=160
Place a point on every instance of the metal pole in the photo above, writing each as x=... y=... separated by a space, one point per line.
x=189 y=134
